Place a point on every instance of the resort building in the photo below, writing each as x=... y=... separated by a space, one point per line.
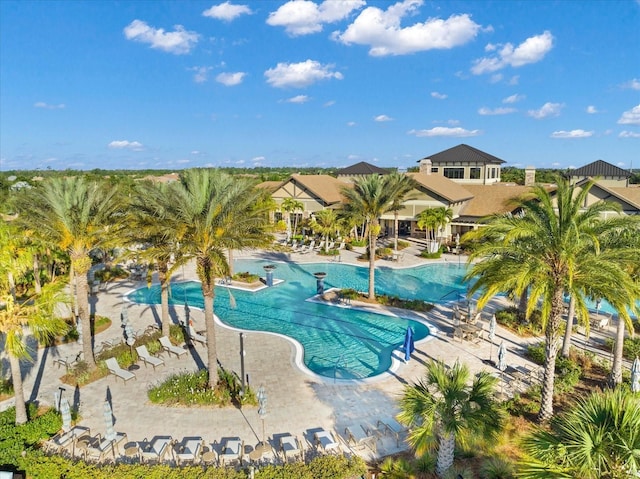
x=463 y=179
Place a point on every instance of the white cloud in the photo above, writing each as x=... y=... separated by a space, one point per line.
x=195 y=152
x=351 y=123
x=382 y=118
x=329 y=103
x=633 y=84
x=444 y=131
x=230 y=79
x=258 y=159
x=572 y=134
x=547 y=110
x=183 y=161
x=298 y=99
x=179 y=42
x=496 y=78
x=300 y=75
x=591 y=109
x=439 y=96
x=227 y=11
x=201 y=73
x=125 y=144
x=515 y=79
x=532 y=50
x=496 y=111
x=513 y=98
x=631 y=117
x=382 y=30
x=303 y=17
x=453 y=122
x=41 y=104
x=629 y=134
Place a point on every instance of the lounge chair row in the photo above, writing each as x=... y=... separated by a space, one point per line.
x=146 y=357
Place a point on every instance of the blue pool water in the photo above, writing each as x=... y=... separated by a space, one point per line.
x=338 y=342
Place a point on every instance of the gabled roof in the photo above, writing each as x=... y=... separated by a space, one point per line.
x=325 y=187
x=270 y=186
x=464 y=153
x=630 y=194
x=362 y=168
x=599 y=168
x=444 y=187
x=492 y=199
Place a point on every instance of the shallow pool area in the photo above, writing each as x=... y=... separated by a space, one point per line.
x=338 y=343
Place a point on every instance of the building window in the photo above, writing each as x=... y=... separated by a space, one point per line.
x=474 y=173
x=454 y=173
x=434 y=169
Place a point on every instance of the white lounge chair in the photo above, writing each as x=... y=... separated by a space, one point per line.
x=320 y=246
x=187 y=450
x=197 y=337
x=103 y=446
x=357 y=438
x=146 y=357
x=231 y=450
x=116 y=370
x=393 y=427
x=308 y=249
x=170 y=348
x=64 y=439
x=290 y=447
x=155 y=450
x=325 y=441
x=341 y=245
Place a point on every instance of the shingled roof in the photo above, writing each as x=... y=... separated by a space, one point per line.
x=362 y=168
x=599 y=168
x=444 y=187
x=463 y=153
x=325 y=187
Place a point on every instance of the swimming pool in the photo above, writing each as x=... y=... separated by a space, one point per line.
x=338 y=343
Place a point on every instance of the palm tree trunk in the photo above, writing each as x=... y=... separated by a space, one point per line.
x=12 y=284
x=230 y=262
x=164 y=298
x=395 y=230
x=522 y=305
x=372 y=264
x=208 y=292
x=446 y=449
x=36 y=274
x=615 y=378
x=566 y=345
x=83 y=309
x=18 y=389
x=551 y=350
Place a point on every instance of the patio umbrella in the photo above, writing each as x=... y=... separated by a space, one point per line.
x=65 y=411
x=502 y=357
x=635 y=375
x=492 y=334
x=110 y=432
x=408 y=345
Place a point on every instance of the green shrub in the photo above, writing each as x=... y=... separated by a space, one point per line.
x=358 y=243
x=403 y=244
x=331 y=252
x=536 y=352
x=110 y=273
x=568 y=373
x=383 y=252
x=496 y=468
x=513 y=320
x=349 y=293
x=246 y=277
x=426 y=254
x=6 y=387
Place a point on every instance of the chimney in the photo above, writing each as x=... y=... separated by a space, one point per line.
x=425 y=166
x=529 y=176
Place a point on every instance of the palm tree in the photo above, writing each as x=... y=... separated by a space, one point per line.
x=431 y=220
x=145 y=224
x=325 y=223
x=401 y=185
x=554 y=246
x=369 y=198
x=596 y=438
x=212 y=212
x=443 y=408
x=15 y=257
x=73 y=215
x=36 y=315
x=291 y=205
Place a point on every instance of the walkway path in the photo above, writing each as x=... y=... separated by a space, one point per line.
x=296 y=402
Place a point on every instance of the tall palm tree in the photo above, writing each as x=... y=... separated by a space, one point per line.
x=554 y=246
x=291 y=205
x=145 y=224
x=443 y=408
x=370 y=197
x=212 y=212
x=75 y=216
x=597 y=438
x=431 y=220
x=401 y=185
x=325 y=223
x=33 y=315
x=15 y=256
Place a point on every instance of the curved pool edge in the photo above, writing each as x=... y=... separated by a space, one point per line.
x=396 y=361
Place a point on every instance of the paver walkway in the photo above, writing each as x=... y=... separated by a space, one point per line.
x=296 y=402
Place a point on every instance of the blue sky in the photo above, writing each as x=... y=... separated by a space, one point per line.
x=172 y=85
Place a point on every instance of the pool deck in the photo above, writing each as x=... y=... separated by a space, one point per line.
x=296 y=402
